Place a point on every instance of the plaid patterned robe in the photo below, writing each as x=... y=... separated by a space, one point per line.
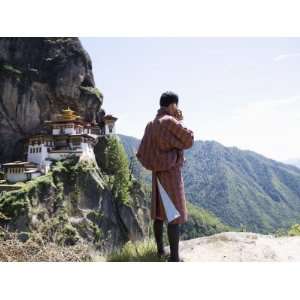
x=161 y=150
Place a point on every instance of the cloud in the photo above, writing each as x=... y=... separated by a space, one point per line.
x=285 y=56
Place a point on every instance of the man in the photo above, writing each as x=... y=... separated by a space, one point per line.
x=161 y=151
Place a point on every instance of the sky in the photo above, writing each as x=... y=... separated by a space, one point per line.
x=242 y=92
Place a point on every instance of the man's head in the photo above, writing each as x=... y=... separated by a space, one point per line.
x=170 y=101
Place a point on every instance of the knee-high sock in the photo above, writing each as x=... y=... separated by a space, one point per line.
x=158 y=234
x=173 y=236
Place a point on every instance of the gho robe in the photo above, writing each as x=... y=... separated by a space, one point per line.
x=161 y=151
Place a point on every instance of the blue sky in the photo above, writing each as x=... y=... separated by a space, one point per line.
x=242 y=92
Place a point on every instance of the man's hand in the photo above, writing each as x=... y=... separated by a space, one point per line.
x=178 y=115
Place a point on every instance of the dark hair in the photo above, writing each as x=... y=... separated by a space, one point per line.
x=168 y=98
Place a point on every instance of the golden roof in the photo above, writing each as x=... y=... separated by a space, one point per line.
x=68 y=115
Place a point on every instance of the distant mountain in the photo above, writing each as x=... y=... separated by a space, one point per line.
x=242 y=188
x=130 y=145
x=294 y=162
x=200 y=222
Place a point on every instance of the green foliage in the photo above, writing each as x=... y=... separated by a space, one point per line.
x=201 y=223
x=294 y=230
x=117 y=166
x=13 y=204
x=140 y=173
x=144 y=251
x=60 y=185
x=11 y=69
x=242 y=187
x=95 y=216
x=239 y=187
x=92 y=90
x=16 y=203
x=59 y=230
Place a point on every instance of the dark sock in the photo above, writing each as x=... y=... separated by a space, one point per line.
x=173 y=236
x=158 y=234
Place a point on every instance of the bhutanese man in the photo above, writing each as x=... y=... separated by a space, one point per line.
x=161 y=151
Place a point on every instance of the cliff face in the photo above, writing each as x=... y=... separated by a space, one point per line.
x=38 y=78
x=73 y=203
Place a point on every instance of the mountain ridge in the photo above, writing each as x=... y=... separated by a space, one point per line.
x=241 y=187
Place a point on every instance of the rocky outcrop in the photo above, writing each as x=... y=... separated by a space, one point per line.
x=73 y=203
x=38 y=78
x=241 y=246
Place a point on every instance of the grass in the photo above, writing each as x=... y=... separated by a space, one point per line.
x=11 y=69
x=144 y=251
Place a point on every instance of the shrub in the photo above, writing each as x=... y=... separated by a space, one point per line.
x=294 y=230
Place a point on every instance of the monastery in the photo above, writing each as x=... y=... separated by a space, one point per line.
x=69 y=135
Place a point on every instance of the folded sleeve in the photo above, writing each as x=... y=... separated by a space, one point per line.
x=184 y=136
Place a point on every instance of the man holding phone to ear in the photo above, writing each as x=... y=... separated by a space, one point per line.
x=161 y=151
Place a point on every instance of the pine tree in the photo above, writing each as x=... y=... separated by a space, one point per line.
x=118 y=167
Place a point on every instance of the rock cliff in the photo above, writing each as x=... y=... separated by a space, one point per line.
x=73 y=203
x=38 y=78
